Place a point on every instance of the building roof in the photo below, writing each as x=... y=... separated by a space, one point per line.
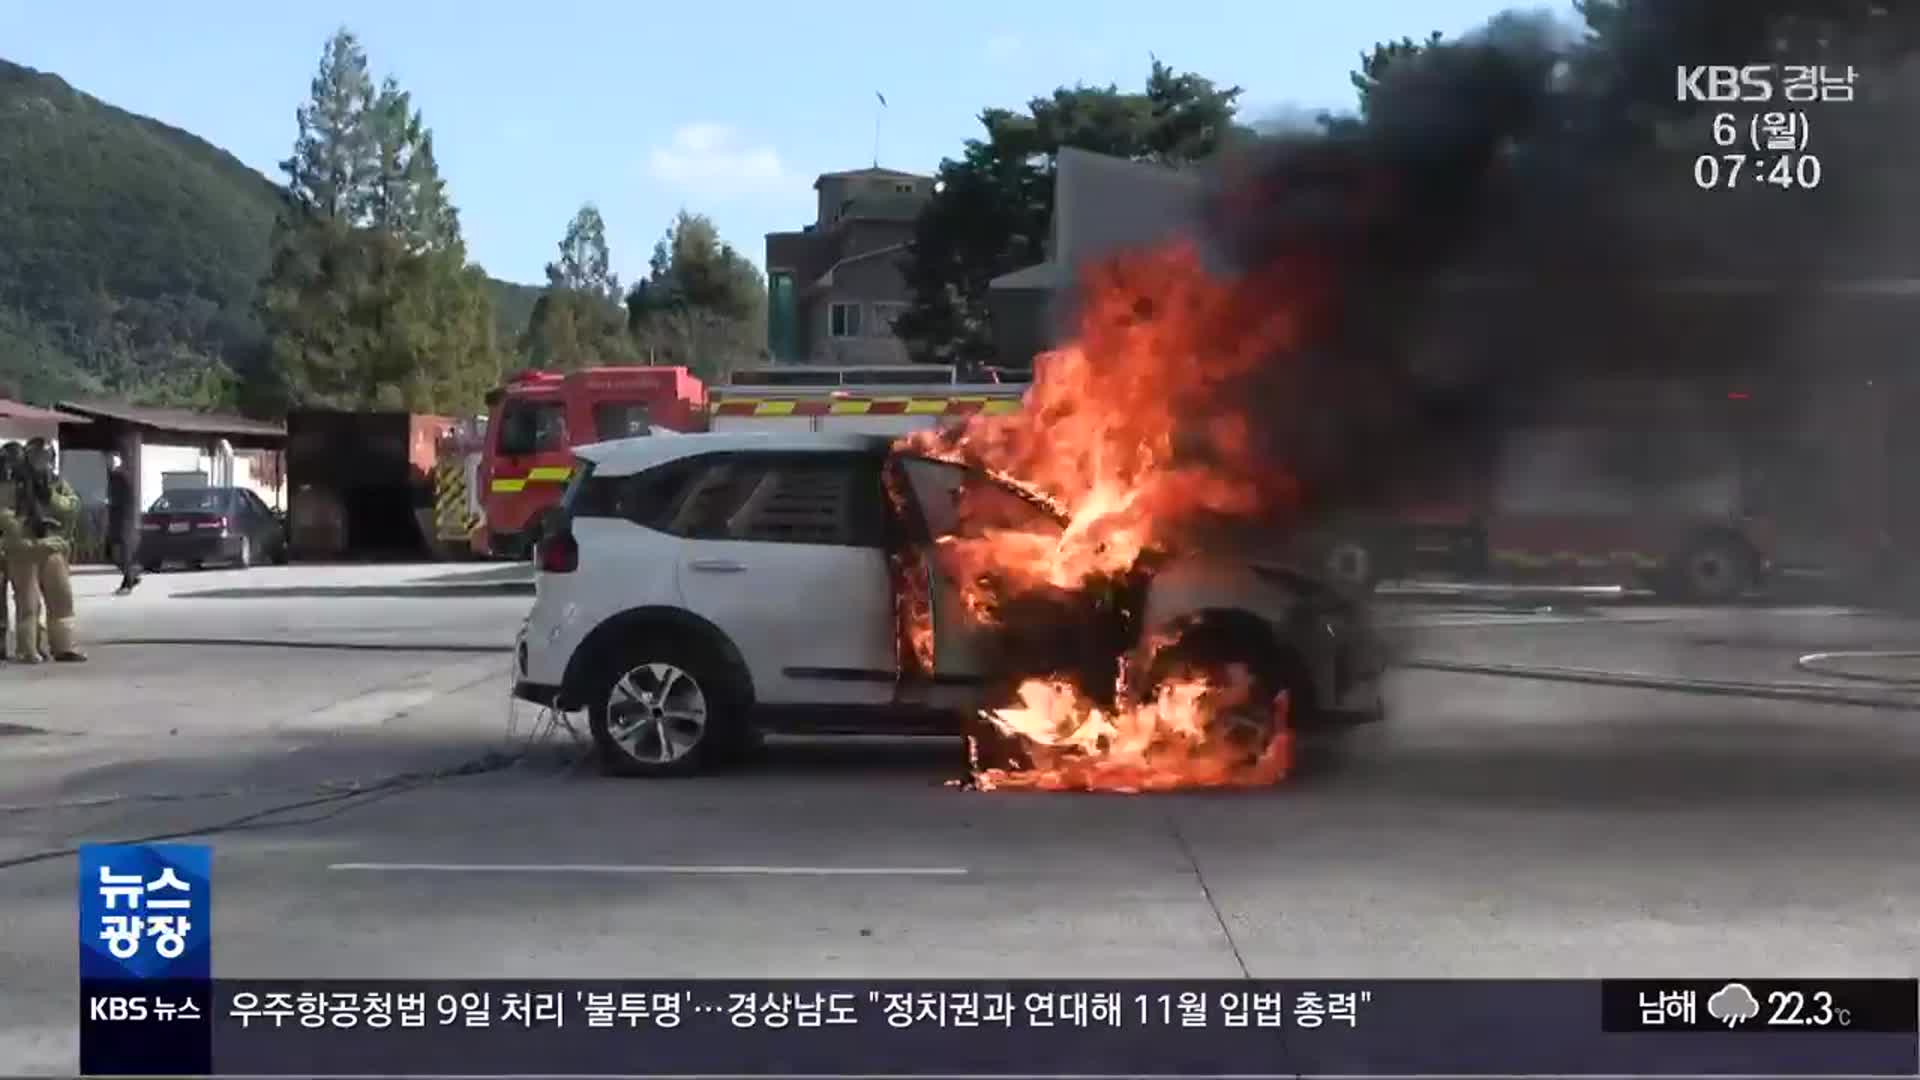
x=175 y=420
x=875 y=172
x=17 y=410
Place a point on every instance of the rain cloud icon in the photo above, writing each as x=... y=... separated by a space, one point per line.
x=1732 y=1004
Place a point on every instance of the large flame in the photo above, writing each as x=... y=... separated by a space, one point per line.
x=1129 y=436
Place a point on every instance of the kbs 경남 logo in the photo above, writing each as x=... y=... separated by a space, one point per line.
x=146 y=911
x=1724 y=83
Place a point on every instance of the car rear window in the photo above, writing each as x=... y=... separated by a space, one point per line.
x=645 y=498
x=194 y=500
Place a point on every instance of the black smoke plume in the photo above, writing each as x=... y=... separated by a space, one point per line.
x=1513 y=225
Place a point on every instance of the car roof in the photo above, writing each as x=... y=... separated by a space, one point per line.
x=616 y=457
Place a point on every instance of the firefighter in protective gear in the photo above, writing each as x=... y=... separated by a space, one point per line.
x=13 y=463
x=47 y=509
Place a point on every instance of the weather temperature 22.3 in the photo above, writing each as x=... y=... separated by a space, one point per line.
x=1783 y=170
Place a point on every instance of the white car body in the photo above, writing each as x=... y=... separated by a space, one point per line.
x=807 y=620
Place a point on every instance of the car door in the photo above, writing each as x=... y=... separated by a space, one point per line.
x=937 y=491
x=785 y=553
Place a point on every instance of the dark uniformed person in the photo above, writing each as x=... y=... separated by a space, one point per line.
x=48 y=509
x=123 y=524
x=12 y=464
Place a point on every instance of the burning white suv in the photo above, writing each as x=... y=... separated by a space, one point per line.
x=694 y=590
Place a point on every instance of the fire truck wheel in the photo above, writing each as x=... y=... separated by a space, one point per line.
x=1715 y=570
x=663 y=708
x=1351 y=563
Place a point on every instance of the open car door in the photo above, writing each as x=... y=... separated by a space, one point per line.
x=936 y=493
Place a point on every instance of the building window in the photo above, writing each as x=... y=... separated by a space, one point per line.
x=904 y=189
x=843 y=320
x=884 y=316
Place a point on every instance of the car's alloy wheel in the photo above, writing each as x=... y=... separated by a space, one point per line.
x=657 y=714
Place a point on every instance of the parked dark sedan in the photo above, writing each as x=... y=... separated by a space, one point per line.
x=197 y=526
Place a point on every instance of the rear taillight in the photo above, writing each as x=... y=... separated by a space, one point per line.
x=219 y=523
x=559 y=554
x=149 y=523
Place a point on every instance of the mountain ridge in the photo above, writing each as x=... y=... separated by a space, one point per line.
x=131 y=250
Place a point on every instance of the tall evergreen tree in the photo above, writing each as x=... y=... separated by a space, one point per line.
x=577 y=322
x=334 y=157
x=585 y=264
x=702 y=305
x=370 y=301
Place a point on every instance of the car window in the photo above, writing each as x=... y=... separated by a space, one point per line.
x=532 y=427
x=958 y=501
x=620 y=419
x=715 y=496
x=646 y=498
x=795 y=499
x=192 y=500
x=820 y=499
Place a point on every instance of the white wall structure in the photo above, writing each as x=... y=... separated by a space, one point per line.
x=161 y=465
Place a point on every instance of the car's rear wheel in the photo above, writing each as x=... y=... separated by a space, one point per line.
x=663 y=709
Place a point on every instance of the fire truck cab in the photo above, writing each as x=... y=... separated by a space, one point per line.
x=536 y=418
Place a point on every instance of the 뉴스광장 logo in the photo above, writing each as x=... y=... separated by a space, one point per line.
x=146 y=911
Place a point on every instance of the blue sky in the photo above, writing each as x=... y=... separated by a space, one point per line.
x=729 y=109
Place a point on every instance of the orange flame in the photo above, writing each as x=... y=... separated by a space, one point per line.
x=1126 y=432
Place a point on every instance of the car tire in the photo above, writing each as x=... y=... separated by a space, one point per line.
x=1215 y=647
x=150 y=567
x=280 y=554
x=690 y=711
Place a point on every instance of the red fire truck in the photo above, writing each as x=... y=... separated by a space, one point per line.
x=1639 y=487
x=536 y=418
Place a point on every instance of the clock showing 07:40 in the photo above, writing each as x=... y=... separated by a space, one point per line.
x=1787 y=170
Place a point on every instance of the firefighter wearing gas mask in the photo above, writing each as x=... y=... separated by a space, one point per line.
x=47 y=509
x=13 y=463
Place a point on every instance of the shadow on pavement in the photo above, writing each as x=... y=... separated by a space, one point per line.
x=936 y=758
x=502 y=573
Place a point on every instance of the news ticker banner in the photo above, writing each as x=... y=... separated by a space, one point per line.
x=149 y=1005
x=914 y=1028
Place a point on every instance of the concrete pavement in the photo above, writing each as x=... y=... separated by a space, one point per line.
x=1493 y=827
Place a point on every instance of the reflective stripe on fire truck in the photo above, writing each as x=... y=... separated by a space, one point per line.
x=885 y=406
x=1540 y=560
x=544 y=474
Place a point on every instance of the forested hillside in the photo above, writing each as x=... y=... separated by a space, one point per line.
x=131 y=253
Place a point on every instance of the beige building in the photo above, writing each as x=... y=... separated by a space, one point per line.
x=835 y=286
